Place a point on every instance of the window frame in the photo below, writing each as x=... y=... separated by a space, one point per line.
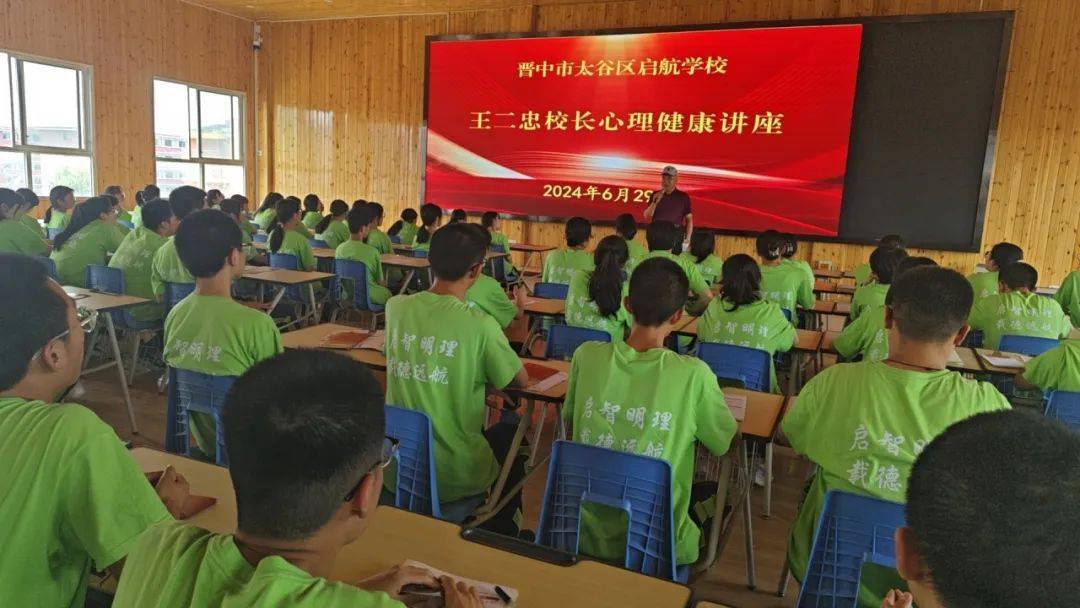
x=196 y=156
x=16 y=85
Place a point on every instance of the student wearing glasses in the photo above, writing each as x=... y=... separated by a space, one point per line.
x=76 y=497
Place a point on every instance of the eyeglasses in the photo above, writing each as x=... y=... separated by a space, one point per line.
x=389 y=452
x=87 y=319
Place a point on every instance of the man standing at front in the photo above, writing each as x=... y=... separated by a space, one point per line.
x=672 y=205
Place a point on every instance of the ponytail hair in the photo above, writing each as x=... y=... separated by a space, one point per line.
x=270 y=201
x=429 y=216
x=57 y=194
x=338 y=208
x=91 y=209
x=30 y=198
x=626 y=226
x=284 y=211
x=407 y=216
x=702 y=245
x=770 y=245
x=606 y=282
x=740 y=281
x=312 y=203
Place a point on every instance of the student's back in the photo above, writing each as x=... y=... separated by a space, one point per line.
x=356 y=250
x=1018 y=311
x=883 y=262
x=377 y=238
x=1000 y=255
x=88 y=239
x=582 y=309
x=1069 y=297
x=866 y=336
x=1056 y=369
x=560 y=265
x=19 y=234
x=136 y=255
x=785 y=284
x=487 y=295
x=166 y=266
x=663 y=237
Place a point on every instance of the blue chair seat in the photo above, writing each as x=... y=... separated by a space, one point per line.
x=563 y=340
x=551 y=291
x=1064 y=406
x=356 y=273
x=1026 y=345
x=739 y=365
x=195 y=392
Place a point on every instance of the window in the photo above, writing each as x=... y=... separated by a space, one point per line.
x=44 y=132
x=198 y=135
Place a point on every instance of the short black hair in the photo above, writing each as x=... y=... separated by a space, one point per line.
x=455 y=248
x=232 y=205
x=458 y=215
x=204 y=241
x=702 y=244
x=186 y=199
x=911 y=262
x=891 y=240
x=770 y=245
x=658 y=288
x=1019 y=275
x=578 y=231
x=430 y=213
x=487 y=220
x=302 y=429
x=883 y=262
x=360 y=216
x=376 y=210
x=991 y=506
x=9 y=198
x=1004 y=254
x=30 y=198
x=626 y=226
x=661 y=235
x=791 y=245
x=31 y=314
x=409 y=215
x=312 y=202
x=930 y=304
x=155 y=213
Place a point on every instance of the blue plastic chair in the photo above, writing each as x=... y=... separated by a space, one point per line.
x=498 y=268
x=111 y=280
x=637 y=485
x=748 y=366
x=260 y=238
x=1026 y=345
x=128 y=225
x=356 y=273
x=419 y=253
x=563 y=340
x=50 y=265
x=395 y=239
x=52 y=233
x=318 y=243
x=194 y=392
x=174 y=292
x=787 y=314
x=551 y=291
x=1064 y=406
x=852 y=529
x=288 y=261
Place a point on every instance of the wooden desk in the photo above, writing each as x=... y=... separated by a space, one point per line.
x=710 y=605
x=530 y=251
x=828 y=273
x=827 y=340
x=828 y=287
x=283 y=279
x=545 y=307
x=842 y=309
x=807 y=340
x=993 y=369
x=762 y=412
x=105 y=304
x=410 y=264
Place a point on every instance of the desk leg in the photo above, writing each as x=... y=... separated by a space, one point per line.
x=793 y=377
x=408 y=279
x=722 y=490
x=314 y=304
x=111 y=329
x=490 y=507
x=748 y=519
x=768 y=479
x=277 y=299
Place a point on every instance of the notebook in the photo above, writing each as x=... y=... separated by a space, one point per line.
x=543 y=378
x=737 y=405
x=489 y=597
x=354 y=338
x=193 y=505
x=1006 y=360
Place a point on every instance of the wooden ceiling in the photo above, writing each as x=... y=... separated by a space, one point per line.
x=299 y=10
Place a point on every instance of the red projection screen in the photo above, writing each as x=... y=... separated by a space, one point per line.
x=757 y=121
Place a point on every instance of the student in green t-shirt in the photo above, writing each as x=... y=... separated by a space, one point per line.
x=405 y=228
x=208 y=332
x=702 y=246
x=662 y=238
x=1017 y=310
x=440 y=354
x=307 y=447
x=150 y=193
x=792 y=247
x=626 y=227
x=284 y=238
x=741 y=317
x=867 y=336
x=30 y=201
x=313 y=208
x=595 y=298
x=1058 y=369
x=883 y=262
x=991 y=516
x=639 y=397
x=1000 y=255
x=117 y=192
x=491 y=222
x=862 y=271
x=1068 y=295
x=786 y=284
x=73 y=496
x=489 y=296
x=136 y=254
x=16 y=236
x=298 y=227
x=561 y=264
x=430 y=220
x=361 y=222
x=333 y=229
x=458 y=216
x=234 y=207
x=167 y=267
x=61 y=201
x=88 y=239
x=377 y=238
x=265 y=212
x=863 y=424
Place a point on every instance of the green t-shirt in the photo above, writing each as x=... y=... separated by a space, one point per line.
x=175 y=565
x=582 y=311
x=802 y=265
x=407 y=234
x=262 y=218
x=984 y=284
x=90 y=245
x=711 y=268
x=500 y=239
x=657 y=404
x=136 y=216
x=32 y=224
x=488 y=295
x=220 y=337
x=167 y=268
x=637 y=253
x=72 y=496
x=124 y=215
x=862 y=274
x=759 y=325
x=311 y=219
x=302 y=230
x=867 y=336
x=297 y=244
x=135 y=256
x=697 y=282
x=1018 y=314
x=382 y=243
x=336 y=233
x=1069 y=296
x=866 y=297
x=560 y=265
x=863 y=424
x=58 y=219
x=1058 y=369
x=17 y=237
x=359 y=251
x=440 y=354
x=787 y=285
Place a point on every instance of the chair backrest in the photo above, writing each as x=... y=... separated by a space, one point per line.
x=974 y=339
x=395 y=239
x=739 y=364
x=787 y=314
x=551 y=291
x=1064 y=406
x=174 y=292
x=419 y=253
x=356 y=273
x=637 y=485
x=318 y=243
x=125 y=224
x=260 y=237
x=1026 y=345
x=288 y=261
x=416 y=488
x=52 y=233
x=563 y=340
x=50 y=265
x=199 y=393
x=850 y=529
x=498 y=269
x=105 y=279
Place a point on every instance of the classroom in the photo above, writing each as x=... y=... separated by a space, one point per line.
x=480 y=303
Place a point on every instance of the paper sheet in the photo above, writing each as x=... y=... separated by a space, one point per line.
x=737 y=405
x=1006 y=360
x=954 y=359
x=488 y=597
x=549 y=382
